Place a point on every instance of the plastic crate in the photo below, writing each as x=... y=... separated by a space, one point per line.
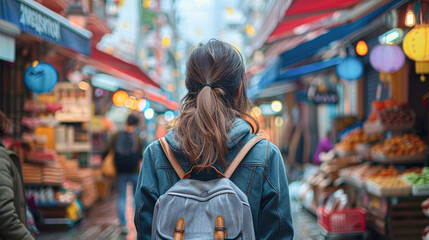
x=351 y=220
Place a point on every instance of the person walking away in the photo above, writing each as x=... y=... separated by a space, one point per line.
x=12 y=198
x=128 y=147
x=211 y=175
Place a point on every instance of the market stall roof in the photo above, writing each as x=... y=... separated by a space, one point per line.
x=301 y=13
x=309 y=48
x=272 y=74
x=129 y=72
x=303 y=48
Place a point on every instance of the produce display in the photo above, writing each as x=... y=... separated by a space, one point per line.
x=360 y=172
x=388 y=186
x=389 y=182
x=408 y=144
x=418 y=179
x=350 y=141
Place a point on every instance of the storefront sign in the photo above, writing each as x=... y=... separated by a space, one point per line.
x=325 y=98
x=35 y=19
x=43 y=25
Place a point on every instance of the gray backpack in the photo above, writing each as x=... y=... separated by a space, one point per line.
x=194 y=209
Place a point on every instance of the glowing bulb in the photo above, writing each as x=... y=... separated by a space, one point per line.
x=148 y=114
x=35 y=63
x=119 y=98
x=250 y=30
x=141 y=104
x=361 y=48
x=84 y=86
x=410 y=18
x=276 y=106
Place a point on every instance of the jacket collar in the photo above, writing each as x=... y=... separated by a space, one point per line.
x=240 y=129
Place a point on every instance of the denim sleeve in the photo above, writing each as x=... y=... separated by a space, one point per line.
x=275 y=220
x=146 y=195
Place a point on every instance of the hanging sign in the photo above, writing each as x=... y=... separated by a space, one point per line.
x=330 y=97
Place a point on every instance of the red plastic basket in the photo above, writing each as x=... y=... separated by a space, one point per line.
x=342 y=221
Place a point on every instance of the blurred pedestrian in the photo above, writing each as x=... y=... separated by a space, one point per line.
x=212 y=128
x=323 y=146
x=128 y=149
x=12 y=198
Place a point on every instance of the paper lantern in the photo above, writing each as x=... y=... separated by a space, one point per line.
x=350 y=69
x=387 y=58
x=361 y=48
x=40 y=77
x=416 y=47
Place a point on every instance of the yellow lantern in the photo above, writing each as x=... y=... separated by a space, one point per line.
x=416 y=47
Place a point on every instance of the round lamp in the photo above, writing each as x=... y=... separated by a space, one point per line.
x=350 y=69
x=40 y=77
x=119 y=98
x=387 y=58
x=416 y=47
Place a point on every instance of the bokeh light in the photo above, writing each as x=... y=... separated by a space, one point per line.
x=276 y=106
x=149 y=113
x=119 y=98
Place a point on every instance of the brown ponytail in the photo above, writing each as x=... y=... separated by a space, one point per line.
x=215 y=80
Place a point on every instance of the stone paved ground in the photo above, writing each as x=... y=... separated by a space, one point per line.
x=101 y=222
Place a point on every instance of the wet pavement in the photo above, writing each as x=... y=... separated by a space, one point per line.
x=101 y=222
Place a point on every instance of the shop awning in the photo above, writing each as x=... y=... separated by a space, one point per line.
x=131 y=73
x=311 y=47
x=38 y=20
x=301 y=13
x=272 y=74
x=125 y=71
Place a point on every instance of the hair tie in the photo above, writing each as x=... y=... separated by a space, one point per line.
x=208 y=85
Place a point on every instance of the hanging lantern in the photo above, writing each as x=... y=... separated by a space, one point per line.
x=350 y=69
x=416 y=47
x=387 y=58
x=361 y=48
x=40 y=77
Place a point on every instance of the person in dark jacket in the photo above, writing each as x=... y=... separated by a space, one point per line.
x=212 y=128
x=12 y=198
x=128 y=147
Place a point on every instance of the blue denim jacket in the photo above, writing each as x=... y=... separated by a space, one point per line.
x=261 y=176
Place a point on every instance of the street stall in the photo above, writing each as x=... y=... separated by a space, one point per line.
x=362 y=88
x=53 y=81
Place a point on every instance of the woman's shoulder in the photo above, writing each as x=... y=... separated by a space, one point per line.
x=263 y=152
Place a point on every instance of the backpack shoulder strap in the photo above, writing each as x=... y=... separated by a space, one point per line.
x=240 y=156
x=173 y=161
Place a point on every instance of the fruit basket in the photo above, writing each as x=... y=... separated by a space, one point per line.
x=351 y=220
x=388 y=186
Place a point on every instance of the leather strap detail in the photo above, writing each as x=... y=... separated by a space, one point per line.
x=173 y=161
x=240 y=156
x=188 y=174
